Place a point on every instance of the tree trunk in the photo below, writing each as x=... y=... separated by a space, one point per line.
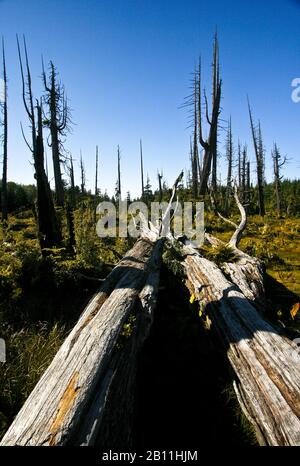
x=210 y=145
x=58 y=121
x=49 y=231
x=229 y=156
x=85 y=395
x=258 y=148
x=5 y=132
x=142 y=168
x=96 y=174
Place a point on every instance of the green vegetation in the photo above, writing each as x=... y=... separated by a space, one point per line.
x=42 y=295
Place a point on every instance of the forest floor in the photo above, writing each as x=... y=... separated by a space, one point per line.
x=41 y=299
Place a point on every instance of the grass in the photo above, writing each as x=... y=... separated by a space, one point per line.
x=40 y=299
x=29 y=353
x=276 y=242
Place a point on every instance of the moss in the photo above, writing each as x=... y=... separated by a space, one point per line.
x=126 y=332
x=29 y=353
x=172 y=259
x=219 y=254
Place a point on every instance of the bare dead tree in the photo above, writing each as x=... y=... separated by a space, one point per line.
x=239 y=165
x=82 y=174
x=118 y=187
x=259 y=153
x=278 y=163
x=71 y=174
x=4 y=139
x=243 y=174
x=70 y=203
x=248 y=186
x=142 y=168
x=239 y=228
x=215 y=67
x=210 y=145
x=57 y=120
x=160 y=176
x=48 y=226
x=96 y=174
x=195 y=155
x=229 y=156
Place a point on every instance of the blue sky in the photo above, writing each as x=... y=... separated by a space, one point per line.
x=126 y=66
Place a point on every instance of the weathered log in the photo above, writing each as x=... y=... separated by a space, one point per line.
x=94 y=371
x=266 y=364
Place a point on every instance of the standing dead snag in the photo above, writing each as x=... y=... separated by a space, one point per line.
x=244 y=175
x=118 y=184
x=96 y=174
x=194 y=148
x=259 y=153
x=82 y=174
x=160 y=189
x=48 y=227
x=57 y=121
x=277 y=165
x=248 y=187
x=210 y=145
x=142 y=168
x=5 y=133
x=70 y=205
x=229 y=156
x=215 y=66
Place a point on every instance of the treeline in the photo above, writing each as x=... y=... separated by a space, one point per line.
x=18 y=196
x=24 y=196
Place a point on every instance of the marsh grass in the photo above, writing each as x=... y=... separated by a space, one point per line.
x=29 y=353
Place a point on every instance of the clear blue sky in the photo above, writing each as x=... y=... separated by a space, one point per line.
x=126 y=66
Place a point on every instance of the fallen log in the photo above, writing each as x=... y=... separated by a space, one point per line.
x=266 y=364
x=74 y=403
